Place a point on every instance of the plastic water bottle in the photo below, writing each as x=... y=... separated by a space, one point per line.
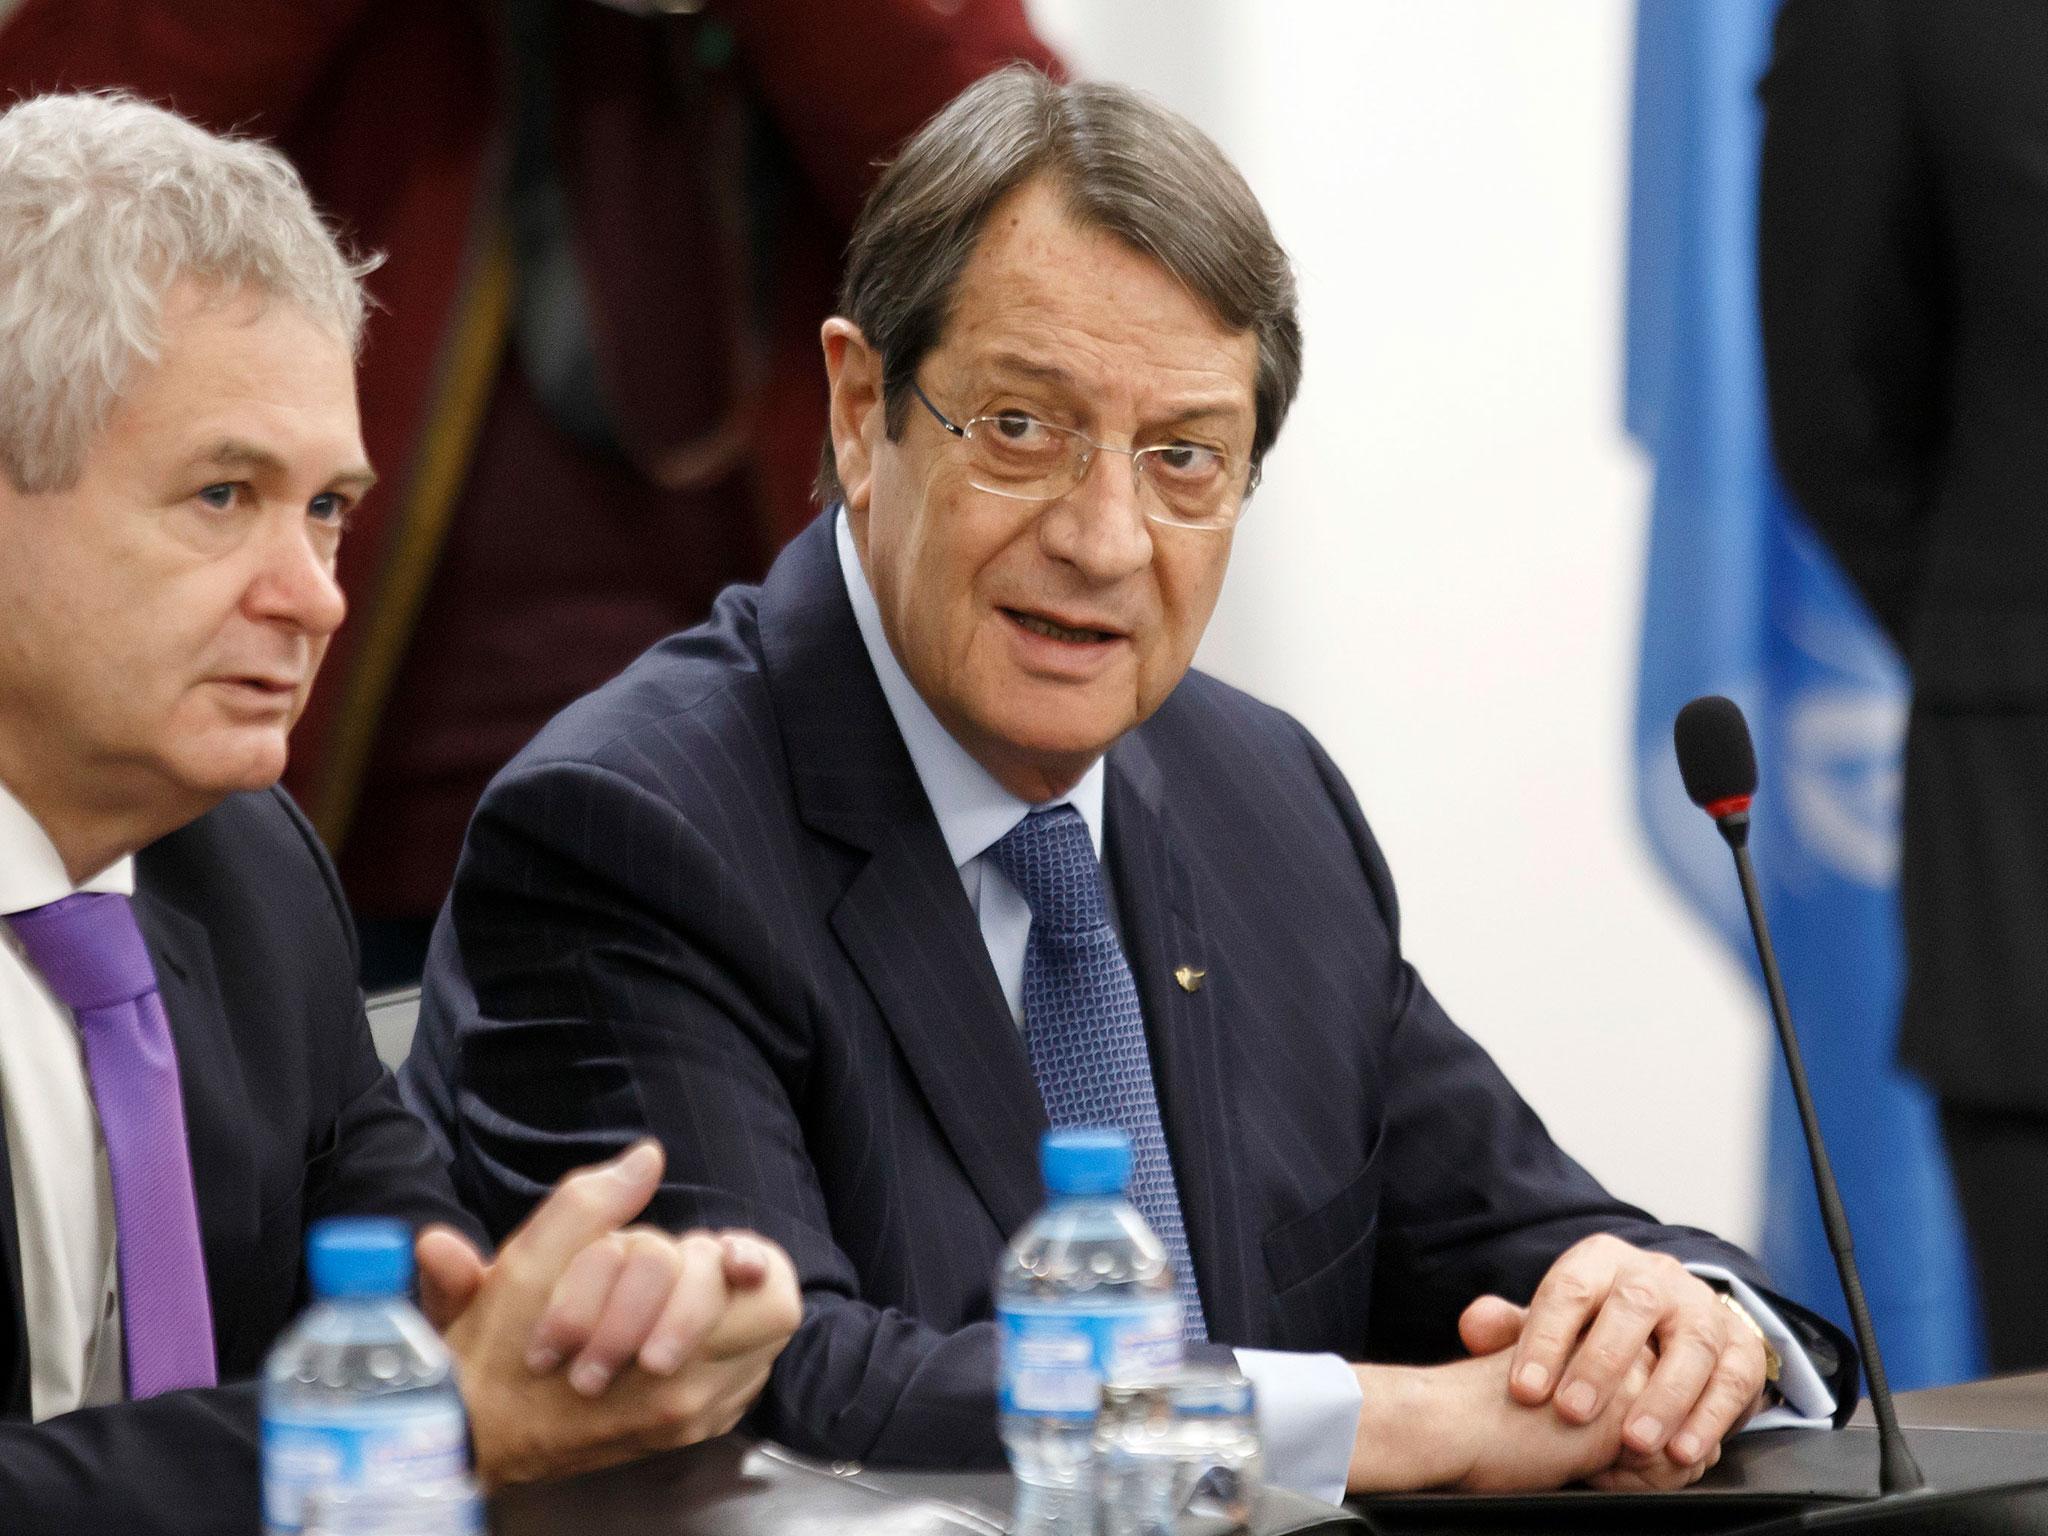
x=359 y=1397
x=1084 y=1296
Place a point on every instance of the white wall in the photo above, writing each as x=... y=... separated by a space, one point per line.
x=1441 y=575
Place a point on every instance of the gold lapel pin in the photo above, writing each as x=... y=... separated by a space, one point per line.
x=1189 y=977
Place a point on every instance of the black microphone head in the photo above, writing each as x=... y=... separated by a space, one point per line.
x=1715 y=757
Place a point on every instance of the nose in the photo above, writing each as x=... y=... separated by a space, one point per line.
x=1099 y=527
x=295 y=584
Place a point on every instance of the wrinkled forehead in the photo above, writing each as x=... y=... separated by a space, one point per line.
x=1045 y=294
x=243 y=376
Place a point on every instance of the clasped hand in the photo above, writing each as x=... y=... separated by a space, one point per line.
x=1625 y=1370
x=586 y=1341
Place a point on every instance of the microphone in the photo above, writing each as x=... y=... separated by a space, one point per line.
x=1718 y=764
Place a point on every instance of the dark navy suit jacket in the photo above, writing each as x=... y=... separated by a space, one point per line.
x=290 y=1117
x=711 y=903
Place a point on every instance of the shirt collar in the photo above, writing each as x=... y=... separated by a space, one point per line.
x=32 y=872
x=974 y=811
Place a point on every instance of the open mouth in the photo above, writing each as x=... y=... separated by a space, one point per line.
x=1039 y=625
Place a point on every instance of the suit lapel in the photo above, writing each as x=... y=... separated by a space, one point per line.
x=904 y=919
x=1163 y=933
x=215 y=1096
x=908 y=928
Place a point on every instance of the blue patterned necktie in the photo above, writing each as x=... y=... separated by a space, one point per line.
x=1081 y=1016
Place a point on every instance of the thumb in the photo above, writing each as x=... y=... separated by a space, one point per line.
x=1490 y=1325
x=451 y=1273
x=585 y=1206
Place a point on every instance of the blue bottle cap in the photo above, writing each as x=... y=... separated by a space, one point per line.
x=1085 y=1162
x=359 y=1256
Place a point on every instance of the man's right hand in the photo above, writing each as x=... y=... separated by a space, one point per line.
x=730 y=1305
x=1457 y=1426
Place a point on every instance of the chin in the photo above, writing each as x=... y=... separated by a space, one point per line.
x=250 y=761
x=1068 y=743
x=1065 y=725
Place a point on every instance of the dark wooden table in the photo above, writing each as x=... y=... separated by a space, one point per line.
x=735 y=1487
x=2002 y=1402
x=1981 y=1432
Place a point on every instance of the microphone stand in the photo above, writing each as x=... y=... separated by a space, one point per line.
x=1898 y=1472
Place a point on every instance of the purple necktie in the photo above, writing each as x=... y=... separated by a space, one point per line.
x=92 y=955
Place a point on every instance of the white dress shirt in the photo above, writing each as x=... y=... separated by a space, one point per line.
x=63 y=1200
x=1308 y=1404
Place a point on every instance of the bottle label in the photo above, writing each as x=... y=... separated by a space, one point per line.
x=1055 y=1359
x=304 y=1453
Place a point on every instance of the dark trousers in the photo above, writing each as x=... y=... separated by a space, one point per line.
x=2000 y=1161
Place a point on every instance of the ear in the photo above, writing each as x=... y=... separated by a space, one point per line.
x=853 y=374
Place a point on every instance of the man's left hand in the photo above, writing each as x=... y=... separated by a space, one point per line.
x=1602 y=1303
x=714 y=1310
x=637 y=1296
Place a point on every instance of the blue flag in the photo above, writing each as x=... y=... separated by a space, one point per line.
x=1743 y=600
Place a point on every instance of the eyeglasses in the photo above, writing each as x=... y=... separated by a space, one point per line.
x=1014 y=454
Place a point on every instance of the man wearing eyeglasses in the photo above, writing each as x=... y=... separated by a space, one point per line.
x=934 y=840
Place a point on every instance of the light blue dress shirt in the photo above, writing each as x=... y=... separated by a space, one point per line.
x=1307 y=1404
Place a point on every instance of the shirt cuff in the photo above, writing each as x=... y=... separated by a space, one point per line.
x=1308 y=1409
x=1807 y=1401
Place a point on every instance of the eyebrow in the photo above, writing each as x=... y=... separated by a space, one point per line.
x=234 y=453
x=1052 y=373
x=1047 y=373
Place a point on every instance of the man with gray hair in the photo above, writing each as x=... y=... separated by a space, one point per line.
x=187 y=1079
x=934 y=840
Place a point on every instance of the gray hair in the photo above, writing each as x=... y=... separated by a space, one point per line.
x=105 y=202
x=1124 y=164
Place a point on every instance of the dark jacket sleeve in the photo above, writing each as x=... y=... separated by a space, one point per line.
x=183 y=1464
x=593 y=1005
x=1855 y=326
x=1477 y=1197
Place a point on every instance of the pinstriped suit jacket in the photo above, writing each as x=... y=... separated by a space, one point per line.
x=711 y=903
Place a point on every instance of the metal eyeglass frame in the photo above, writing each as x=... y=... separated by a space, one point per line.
x=1154 y=507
